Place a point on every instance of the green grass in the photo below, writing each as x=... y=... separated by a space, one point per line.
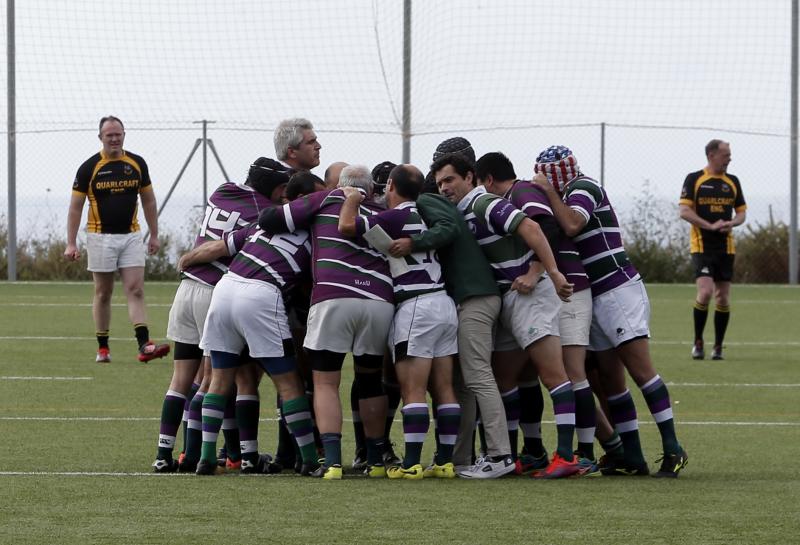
x=742 y=484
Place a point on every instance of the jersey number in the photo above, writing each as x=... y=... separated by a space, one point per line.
x=219 y=221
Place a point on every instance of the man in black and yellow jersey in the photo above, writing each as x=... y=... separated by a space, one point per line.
x=114 y=180
x=713 y=203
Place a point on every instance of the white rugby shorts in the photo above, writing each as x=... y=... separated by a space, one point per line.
x=110 y=252
x=429 y=324
x=245 y=311
x=360 y=326
x=524 y=319
x=620 y=315
x=187 y=316
x=575 y=319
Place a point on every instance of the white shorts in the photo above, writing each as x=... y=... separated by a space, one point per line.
x=360 y=326
x=187 y=316
x=620 y=315
x=429 y=324
x=575 y=319
x=245 y=311
x=110 y=252
x=524 y=319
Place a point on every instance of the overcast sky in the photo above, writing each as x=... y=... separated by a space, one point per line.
x=501 y=73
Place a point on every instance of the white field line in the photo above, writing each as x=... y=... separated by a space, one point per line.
x=734 y=301
x=128 y=474
x=87 y=305
x=45 y=338
x=731 y=385
x=678 y=384
x=733 y=343
x=667 y=342
x=45 y=378
x=90 y=283
x=155 y=419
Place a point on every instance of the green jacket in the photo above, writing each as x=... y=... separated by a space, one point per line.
x=466 y=271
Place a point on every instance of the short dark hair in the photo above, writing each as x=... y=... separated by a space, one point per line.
x=430 y=184
x=302 y=183
x=497 y=165
x=713 y=146
x=407 y=181
x=459 y=163
x=109 y=118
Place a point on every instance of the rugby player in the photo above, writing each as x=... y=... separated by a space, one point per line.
x=620 y=309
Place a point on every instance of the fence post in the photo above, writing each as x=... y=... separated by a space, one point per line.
x=793 y=254
x=406 y=130
x=603 y=154
x=12 y=142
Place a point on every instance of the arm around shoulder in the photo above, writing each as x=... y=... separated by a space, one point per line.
x=442 y=220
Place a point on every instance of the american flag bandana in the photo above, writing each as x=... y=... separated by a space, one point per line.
x=559 y=165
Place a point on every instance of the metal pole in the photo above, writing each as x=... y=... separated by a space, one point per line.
x=603 y=154
x=180 y=174
x=406 y=130
x=205 y=163
x=12 y=142
x=793 y=254
x=219 y=161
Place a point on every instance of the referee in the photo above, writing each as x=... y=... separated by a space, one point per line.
x=713 y=203
x=114 y=180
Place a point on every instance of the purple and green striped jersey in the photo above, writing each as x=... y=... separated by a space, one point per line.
x=533 y=201
x=341 y=267
x=529 y=198
x=600 y=241
x=231 y=206
x=494 y=220
x=425 y=275
x=281 y=260
x=568 y=261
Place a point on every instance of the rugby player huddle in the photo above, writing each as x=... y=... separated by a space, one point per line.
x=469 y=284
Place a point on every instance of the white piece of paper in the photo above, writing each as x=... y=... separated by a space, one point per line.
x=380 y=240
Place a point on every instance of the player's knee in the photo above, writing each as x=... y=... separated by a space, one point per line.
x=135 y=292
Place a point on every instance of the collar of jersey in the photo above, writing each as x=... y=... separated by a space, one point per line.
x=469 y=197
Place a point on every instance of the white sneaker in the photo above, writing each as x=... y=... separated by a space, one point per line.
x=485 y=468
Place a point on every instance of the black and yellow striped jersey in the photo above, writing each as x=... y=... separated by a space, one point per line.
x=113 y=187
x=713 y=197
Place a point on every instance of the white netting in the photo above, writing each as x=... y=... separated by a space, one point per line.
x=511 y=75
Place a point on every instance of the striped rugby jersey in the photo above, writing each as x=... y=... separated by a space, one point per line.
x=494 y=220
x=341 y=267
x=231 y=206
x=600 y=241
x=529 y=198
x=534 y=202
x=568 y=260
x=281 y=260
x=425 y=275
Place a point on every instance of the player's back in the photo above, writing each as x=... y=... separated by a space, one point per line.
x=600 y=241
x=231 y=206
x=425 y=271
x=341 y=267
x=281 y=259
x=494 y=220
